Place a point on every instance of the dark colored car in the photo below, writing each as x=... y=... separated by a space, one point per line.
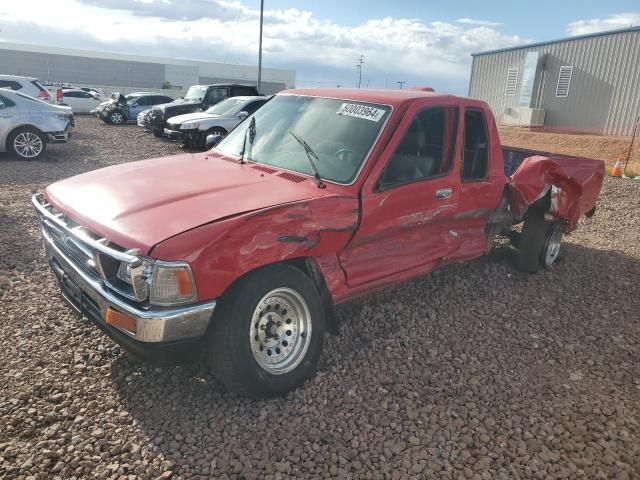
x=198 y=98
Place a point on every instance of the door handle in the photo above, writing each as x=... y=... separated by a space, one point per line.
x=443 y=193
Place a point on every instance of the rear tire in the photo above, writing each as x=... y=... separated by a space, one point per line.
x=27 y=143
x=267 y=333
x=538 y=245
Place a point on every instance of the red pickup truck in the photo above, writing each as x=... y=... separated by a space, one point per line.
x=240 y=253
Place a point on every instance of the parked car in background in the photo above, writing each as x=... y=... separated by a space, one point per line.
x=121 y=109
x=79 y=100
x=241 y=253
x=198 y=98
x=28 y=124
x=94 y=91
x=192 y=129
x=27 y=85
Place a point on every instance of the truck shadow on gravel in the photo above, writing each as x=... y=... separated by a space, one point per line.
x=468 y=339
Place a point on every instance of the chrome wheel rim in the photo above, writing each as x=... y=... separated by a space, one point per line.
x=116 y=118
x=28 y=144
x=553 y=246
x=280 y=331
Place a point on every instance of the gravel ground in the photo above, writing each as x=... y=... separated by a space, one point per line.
x=474 y=372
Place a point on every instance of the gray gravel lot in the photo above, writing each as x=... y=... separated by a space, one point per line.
x=476 y=371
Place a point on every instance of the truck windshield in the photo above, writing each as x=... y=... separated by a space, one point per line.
x=340 y=132
x=196 y=93
x=226 y=107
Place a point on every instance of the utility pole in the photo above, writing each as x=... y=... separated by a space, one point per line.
x=359 y=67
x=401 y=84
x=260 y=46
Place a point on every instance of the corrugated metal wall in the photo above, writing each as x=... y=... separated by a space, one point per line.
x=604 y=95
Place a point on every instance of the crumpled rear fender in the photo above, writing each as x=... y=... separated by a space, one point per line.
x=574 y=185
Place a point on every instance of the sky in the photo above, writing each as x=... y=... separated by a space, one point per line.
x=426 y=43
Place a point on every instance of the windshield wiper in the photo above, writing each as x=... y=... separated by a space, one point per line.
x=251 y=133
x=310 y=153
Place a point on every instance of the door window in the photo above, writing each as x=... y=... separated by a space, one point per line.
x=475 y=157
x=253 y=106
x=242 y=91
x=426 y=150
x=13 y=85
x=5 y=103
x=216 y=95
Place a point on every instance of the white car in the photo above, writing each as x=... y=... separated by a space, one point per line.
x=79 y=100
x=193 y=128
x=28 y=124
x=27 y=85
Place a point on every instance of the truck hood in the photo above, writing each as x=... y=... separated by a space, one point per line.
x=192 y=117
x=139 y=204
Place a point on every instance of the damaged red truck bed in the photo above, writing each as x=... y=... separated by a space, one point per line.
x=240 y=253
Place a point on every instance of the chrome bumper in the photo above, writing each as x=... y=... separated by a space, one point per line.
x=153 y=325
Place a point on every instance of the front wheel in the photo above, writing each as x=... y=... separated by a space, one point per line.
x=158 y=133
x=27 y=143
x=217 y=135
x=267 y=333
x=538 y=246
x=116 y=118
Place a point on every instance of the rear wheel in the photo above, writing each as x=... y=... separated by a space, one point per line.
x=267 y=333
x=116 y=118
x=27 y=143
x=539 y=243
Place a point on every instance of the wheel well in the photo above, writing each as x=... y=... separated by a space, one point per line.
x=218 y=128
x=308 y=266
x=20 y=127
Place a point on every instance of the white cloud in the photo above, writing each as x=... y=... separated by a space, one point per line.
x=620 y=20
x=484 y=23
x=436 y=53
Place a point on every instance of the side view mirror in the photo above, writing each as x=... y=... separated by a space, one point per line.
x=243 y=114
x=212 y=140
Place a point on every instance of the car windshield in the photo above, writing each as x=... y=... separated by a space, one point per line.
x=340 y=133
x=197 y=93
x=226 y=107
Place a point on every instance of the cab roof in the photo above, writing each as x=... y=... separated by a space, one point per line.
x=394 y=98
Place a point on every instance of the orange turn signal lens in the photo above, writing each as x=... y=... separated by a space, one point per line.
x=120 y=320
x=184 y=282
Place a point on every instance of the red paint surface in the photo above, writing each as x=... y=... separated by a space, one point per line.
x=577 y=183
x=228 y=219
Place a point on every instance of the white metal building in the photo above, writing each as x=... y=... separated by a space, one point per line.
x=588 y=83
x=61 y=65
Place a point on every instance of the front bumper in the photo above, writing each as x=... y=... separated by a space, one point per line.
x=58 y=137
x=162 y=335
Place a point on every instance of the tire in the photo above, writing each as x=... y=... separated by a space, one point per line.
x=539 y=243
x=27 y=143
x=158 y=133
x=243 y=350
x=212 y=131
x=117 y=117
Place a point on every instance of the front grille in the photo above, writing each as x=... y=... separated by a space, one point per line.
x=95 y=264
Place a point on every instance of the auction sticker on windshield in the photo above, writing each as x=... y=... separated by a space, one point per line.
x=360 y=111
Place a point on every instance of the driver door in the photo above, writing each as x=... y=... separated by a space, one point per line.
x=408 y=207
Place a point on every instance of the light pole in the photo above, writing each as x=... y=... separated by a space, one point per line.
x=359 y=67
x=260 y=46
x=401 y=83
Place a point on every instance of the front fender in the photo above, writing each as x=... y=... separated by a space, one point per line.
x=223 y=251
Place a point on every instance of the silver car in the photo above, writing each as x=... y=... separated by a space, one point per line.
x=192 y=129
x=28 y=124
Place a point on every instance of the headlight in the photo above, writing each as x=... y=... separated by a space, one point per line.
x=190 y=126
x=163 y=283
